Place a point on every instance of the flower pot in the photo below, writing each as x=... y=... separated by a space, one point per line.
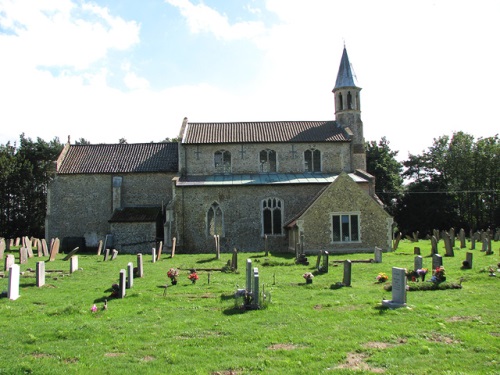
x=309 y=281
x=174 y=282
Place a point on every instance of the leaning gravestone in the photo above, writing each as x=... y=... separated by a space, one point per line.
x=174 y=241
x=437 y=261
x=140 y=265
x=417 y=262
x=378 y=255
x=29 y=247
x=398 y=289
x=71 y=253
x=160 y=248
x=9 y=261
x=45 y=250
x=106 y=255
x=452 y=237
x=99 y=248
x=114 y=254
x=347 y=273
x=54 y=250
x=40 y=274
x=14 y=275
x=73 y=264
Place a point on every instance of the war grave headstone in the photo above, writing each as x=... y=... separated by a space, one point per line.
x=23 y=255
x=378 y=255
x=73 y=264
x=71 y=253
x=122 y=284
x=153 y=255
x=461 y=235
x=346 y=281
x=398 y=289
x=114 y=254
x=437 y=261
x=130 y=275
x=9 y=261
x=140 y=265
x=106 y=255
x=417 y=262
x=40 y=274
x=160 y=249
x=14 y=275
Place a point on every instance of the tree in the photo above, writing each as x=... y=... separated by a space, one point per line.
x=381 y=162
x=82 y=141
x=122 y=141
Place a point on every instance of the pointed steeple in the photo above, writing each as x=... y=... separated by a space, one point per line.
x=344 y=76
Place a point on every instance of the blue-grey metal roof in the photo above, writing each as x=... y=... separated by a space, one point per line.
x=345 y=77
x=262 y=179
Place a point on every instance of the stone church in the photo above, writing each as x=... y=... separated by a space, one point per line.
x=295 y=184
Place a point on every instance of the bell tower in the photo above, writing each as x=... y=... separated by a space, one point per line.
x=348 y=111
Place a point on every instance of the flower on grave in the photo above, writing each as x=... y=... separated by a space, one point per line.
x=422 y=271
x=94 y=308
x=382 y=277
x=193 y=276
x=308 y=276
x=438 y=275
x=173 y=273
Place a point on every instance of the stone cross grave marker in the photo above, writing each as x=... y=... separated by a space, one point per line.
x=347 y=273
x=3 y=246
x=14 y=275
x=174 y=242
x=54 y=250
x=99 y=248
x=398 y=289
x=153 y=255
x=73 y=264
x=106 y=255
x=437 y=261
x=160 y=248
x=122 y=284
x=45 y=250
x=114 y=254
x=468 y=259
x=461 y=235
x=130 y=275
x=9 y=261
x=140 y=265
x=378 y=255
x=71 y=253
x=448 y=246
x=23 y=255
x=40 y=274
x=417 y=262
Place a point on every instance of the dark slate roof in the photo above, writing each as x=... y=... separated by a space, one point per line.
x=263 y=132
x=120 y=158
x=136 y=215
x=344 y=76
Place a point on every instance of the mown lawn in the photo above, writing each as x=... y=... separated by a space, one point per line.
x=198 y=329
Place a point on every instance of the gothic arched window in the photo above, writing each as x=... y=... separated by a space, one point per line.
x=222 y=161
x=272 y=216
x=312 y=160
x=267 y=160
x=215 y=220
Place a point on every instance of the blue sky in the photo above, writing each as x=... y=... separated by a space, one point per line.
x=105 y=70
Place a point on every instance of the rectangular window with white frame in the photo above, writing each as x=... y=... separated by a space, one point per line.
x=346 y=227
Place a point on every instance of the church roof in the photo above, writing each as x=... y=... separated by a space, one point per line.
x=263 y=132
x=120 y=158
x=345 y=77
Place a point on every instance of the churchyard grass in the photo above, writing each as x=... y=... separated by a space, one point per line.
x=197 y=329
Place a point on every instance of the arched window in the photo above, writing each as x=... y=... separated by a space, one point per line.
x=341 y=104
x=312 y=160
x=272 y=216
x=349 y=100
x=267 y=159
x=222 y=161
x=215 y=220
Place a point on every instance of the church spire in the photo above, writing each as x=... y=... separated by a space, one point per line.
x=344 y=76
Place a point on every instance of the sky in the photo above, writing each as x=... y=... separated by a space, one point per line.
x=110 y=69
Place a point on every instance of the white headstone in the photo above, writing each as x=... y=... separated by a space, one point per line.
x=40 y=274
x=14 y=274
x=73 y=264
x=153 y=255
x=9 y=261
x=249 y=276
x=122 y=283
x=140 y=266
x=398 y=289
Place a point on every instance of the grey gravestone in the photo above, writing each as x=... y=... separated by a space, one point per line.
x=452 y=237
x=106 y=255
x=417 y=262
x=122 y=284
x=434 y=246
x=40 y=274
x=489 y=251
x=473 y=242
x=461 y=235
x=130 y=275
x=218 y=246
x=415 y=236
x=45 y=250
x=448 y=245
x=497 y=235
x=14 y=275
x=54 y=250
x=437 y=261
x=416 y=250
x=38 y=245
x=140 y=266
x=324 y=265
x=255 y=289
x=18 y=241
x=73 y=264
x=378 y=255
x=485 y=244
x=9 y=261
x=347 y=273
x=234 y=260
x=174 y=242
x=468 y=259
x=114 y=254
x=153 y=255
x=3 y=246
x=160 y=248
x=398 y=289
x=99 y=248
x=435 y=233
x=71 y=253
x=23 y=255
